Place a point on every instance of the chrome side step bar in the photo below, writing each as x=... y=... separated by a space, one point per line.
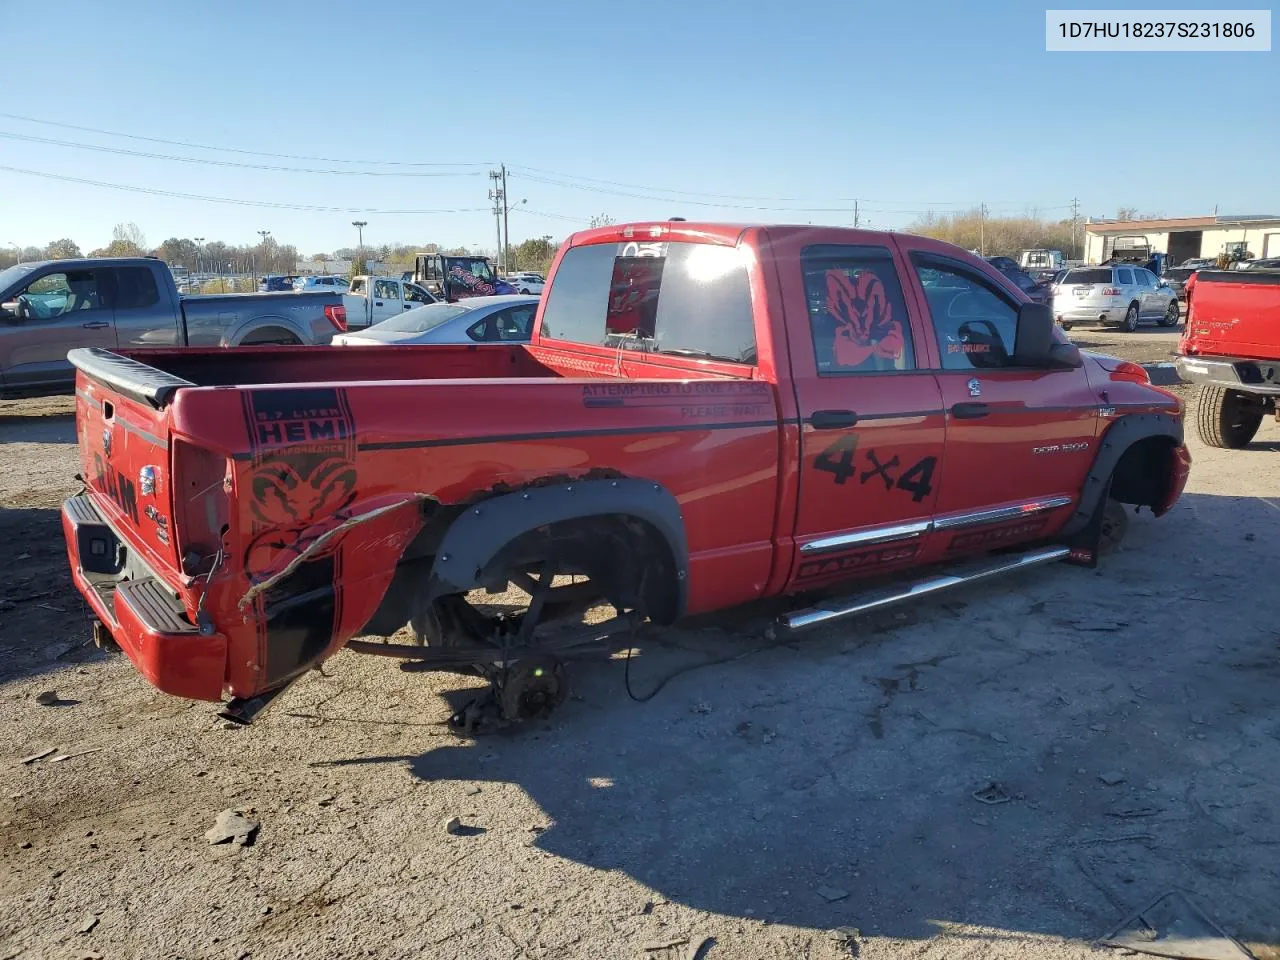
x=849 y=607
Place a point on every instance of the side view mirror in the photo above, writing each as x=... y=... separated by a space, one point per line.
x=1034 y=337
x=10 y=310
x=1036 y=346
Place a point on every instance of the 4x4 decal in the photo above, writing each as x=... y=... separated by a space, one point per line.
x=839 y=460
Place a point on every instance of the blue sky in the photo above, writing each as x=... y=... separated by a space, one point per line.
x=680 y=105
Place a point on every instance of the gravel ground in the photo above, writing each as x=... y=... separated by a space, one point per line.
x=1129 y=716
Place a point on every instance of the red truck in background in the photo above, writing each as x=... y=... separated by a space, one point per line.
x=707 y=415
x=1230 y=345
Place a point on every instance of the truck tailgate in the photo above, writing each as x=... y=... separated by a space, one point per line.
x=1235 y=314
x=122 y=427
x=120 y=532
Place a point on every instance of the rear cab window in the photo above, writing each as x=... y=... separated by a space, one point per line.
x=673 y=298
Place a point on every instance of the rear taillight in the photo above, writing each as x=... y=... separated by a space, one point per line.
x=1130 y=371
x=336 y=314
x=1111 y=291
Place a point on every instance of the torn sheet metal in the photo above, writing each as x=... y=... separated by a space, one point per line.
x=316 y=544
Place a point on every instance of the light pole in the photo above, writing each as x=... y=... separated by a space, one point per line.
x=263 y=234
x=198 y=242
x=360 y=225
x=17 y=252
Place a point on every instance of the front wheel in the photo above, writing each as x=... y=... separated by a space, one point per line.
x=1227 y=418
x=1171 y=316
x=1130 y=322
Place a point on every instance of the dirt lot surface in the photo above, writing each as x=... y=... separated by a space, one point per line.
x=1128 y=716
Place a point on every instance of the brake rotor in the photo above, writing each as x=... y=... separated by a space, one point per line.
x=533 y=688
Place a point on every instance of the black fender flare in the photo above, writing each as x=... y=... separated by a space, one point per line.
x=474 y=538
x=1123 y=433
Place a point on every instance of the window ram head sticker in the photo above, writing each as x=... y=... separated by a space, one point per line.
x=865 y=325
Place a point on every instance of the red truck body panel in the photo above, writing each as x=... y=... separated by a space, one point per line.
x=1233 y=314
x=289 y=482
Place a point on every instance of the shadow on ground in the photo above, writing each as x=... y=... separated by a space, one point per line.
x=44 y=624
x=1126 y=728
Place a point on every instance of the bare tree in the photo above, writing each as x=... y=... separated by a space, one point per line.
x=127 y=240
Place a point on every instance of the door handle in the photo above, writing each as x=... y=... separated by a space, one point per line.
x=832 y=419
x=408 y=306
x=377 y=303
x=95 y=324
x=970 y=411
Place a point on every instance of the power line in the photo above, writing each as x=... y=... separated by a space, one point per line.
x=555 y=178
x=232 y=163
x=565 y=180
x=551 y=216
x=252 y=153
x=266 y=204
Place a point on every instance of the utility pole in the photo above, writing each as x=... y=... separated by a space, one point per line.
x=499 y=198
x=506 y=225
x=855 y=214
x=982 y=229
x=1075 y=220
x=360 y=225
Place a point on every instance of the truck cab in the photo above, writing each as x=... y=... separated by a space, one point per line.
x=456 y=277
x=1041 y=264
x=371 y=300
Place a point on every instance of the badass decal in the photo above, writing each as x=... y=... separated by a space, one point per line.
x=853 y=562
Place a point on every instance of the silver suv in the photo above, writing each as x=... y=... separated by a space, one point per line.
x=1114 y=295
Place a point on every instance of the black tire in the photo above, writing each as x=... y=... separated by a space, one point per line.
x=1173 y=316
x=1130 y=322
x=1066 y=327
x=1225 y=418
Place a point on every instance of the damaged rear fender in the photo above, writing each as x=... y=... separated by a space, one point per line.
x=470 y=551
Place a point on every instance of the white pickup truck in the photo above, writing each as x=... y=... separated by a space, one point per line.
x=374 y=299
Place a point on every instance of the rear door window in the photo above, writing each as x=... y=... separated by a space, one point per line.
x=135 y=288
x=385 y=290
x=676 y=298
x=514 y=323
x=857 y=314
x=1124 y=276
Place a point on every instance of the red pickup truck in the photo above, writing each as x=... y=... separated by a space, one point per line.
x=707 y=415
x=1231 y=347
